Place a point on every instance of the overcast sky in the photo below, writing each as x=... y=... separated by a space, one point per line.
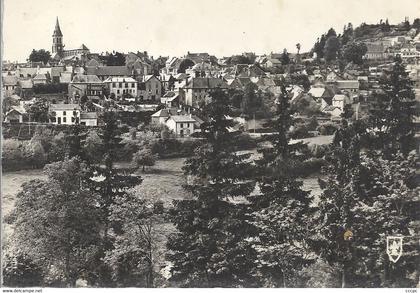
x=173 y=27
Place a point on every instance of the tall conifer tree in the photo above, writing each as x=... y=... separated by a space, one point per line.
x=208 y=251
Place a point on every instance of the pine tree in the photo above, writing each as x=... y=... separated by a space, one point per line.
x=208 y=250
x=281 y=211
x=388 y=208
x=109 y=183
x=366 y=198
x=392 y=113
x=334 y=220
x=75 y=137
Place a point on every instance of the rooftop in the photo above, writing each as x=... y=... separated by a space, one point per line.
x=109 y=70
x=88 y=115
x=120 y=79
x=206 y=83
x=182 y=118
x=80 y=78
x=64 y=107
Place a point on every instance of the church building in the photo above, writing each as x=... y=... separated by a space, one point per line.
x=58 y=51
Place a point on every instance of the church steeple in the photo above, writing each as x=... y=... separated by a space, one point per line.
x=57 y=46
x=57 y=30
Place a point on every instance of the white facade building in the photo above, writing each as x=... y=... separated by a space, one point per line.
x=181 y=125
x=68 y=114
x=122 y=85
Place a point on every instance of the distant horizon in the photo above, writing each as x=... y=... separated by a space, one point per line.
x=174 y=27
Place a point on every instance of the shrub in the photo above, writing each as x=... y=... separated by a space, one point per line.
x=93 y=147
x=166 y=148
x=126 y=152
x=244 y=141
x=327 y=128
x=143 y=158
x=35 y=154
x=19 y=155
x=318 y=151
x=57 y=149
x=12 y=155
x=20 y=271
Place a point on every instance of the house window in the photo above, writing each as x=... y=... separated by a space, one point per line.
x=182 y=125
x=64 y=114
x=113 y=84
x=120 y=84
x=188 y=125
x=64 y=119
x=133 y=85
x=125 y=85
x=118 y=92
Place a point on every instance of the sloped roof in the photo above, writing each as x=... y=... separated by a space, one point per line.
x=65 y=77
x=89 y=115
x=64 y=107
x=347 y=84
x=26 y=83
x=266 y=82
x=330 y=108
x=108 y=70
x=120 y=79
x=40 y=77
x=55 y=71
x=149 y=77
x=206 y=83
x=10 y=80
x=274 y=61
x=181 y=76
x=92 y=63
x=170 y=94
x=182 y=118
x=168 y=112
x=80 y=78
x=83 y=47
x=19 y=109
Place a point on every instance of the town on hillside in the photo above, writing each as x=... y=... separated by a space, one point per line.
x=283 y=169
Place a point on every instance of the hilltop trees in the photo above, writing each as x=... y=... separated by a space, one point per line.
x=354 y=52
x=208 y=250
x=115 y=59
x=331 y=49
x=40 y=56
x=285 y=59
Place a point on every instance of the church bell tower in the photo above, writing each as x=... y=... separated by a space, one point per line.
x=57 y=46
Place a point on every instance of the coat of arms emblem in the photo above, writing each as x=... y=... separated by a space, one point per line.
x=394 y=247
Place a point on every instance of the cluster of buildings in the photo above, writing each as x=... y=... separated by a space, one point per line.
x=184 y=83
x=385 y=48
